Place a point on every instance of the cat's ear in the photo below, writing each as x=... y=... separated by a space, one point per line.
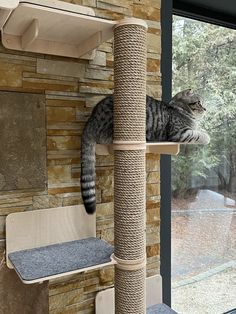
x=189 y=92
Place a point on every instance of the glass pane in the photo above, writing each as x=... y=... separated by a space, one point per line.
x=204 y=177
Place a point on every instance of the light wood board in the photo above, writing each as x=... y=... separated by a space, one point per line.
x=39 y=228
x=63 y=28
x=166 y=148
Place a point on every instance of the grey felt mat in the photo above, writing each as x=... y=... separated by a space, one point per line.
x=160 y=309
x=60 y=258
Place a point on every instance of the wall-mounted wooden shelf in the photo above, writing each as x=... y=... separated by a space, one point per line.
x=56 y=260
x=51 y=243
x=53 y=27
x=166 y=148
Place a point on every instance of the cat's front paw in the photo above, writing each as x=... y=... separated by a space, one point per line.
x=205 y=139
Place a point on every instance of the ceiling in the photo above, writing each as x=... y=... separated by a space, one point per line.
x=221 y=10
x=226 y=6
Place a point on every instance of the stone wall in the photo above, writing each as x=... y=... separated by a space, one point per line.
x=62 y=92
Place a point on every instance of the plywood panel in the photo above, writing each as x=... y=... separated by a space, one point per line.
x=63 y=29
x=39 y=228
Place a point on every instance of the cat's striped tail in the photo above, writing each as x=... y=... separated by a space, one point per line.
x=87 y=178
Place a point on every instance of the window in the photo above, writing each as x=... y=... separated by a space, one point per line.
x=203 y=214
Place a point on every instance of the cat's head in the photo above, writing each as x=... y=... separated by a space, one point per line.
x=190 y=101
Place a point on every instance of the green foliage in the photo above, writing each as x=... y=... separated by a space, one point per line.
x=192 y=161
x=204 y=59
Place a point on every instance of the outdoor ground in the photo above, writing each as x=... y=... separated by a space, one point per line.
x=211 y=294
x=204 y=254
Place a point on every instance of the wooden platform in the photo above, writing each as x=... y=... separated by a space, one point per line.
x=48 y=262
x=166 y=148
x=51 y=243
x=53 y=27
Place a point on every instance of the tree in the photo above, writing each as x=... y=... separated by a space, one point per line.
x=204 y=59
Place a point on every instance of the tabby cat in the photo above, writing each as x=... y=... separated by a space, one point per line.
x=174 y=122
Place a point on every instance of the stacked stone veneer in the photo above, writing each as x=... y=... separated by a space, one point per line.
x=70 y=88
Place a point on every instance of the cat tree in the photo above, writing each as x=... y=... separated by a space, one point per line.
x=58 y=233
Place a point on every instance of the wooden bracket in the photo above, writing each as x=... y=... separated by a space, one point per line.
x=90 y=43
x=30 y=34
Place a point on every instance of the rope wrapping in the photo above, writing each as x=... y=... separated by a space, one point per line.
x=130 y=83
x=129 y=198
x=129 y=170
x=130 y=296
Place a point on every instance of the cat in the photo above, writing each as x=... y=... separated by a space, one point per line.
x=175 y=122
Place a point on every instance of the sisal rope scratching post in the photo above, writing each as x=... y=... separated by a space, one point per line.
x=130 y=177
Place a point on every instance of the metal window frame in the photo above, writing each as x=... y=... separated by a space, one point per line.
x=165 y=165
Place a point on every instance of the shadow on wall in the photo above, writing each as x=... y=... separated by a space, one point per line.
x=16 y=297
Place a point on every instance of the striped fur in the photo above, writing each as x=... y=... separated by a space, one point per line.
x=175 y=122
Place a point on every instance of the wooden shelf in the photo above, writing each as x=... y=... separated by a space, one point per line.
x=53 y=27
x=56 y=260
x=51 y=243
x=165 y=148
